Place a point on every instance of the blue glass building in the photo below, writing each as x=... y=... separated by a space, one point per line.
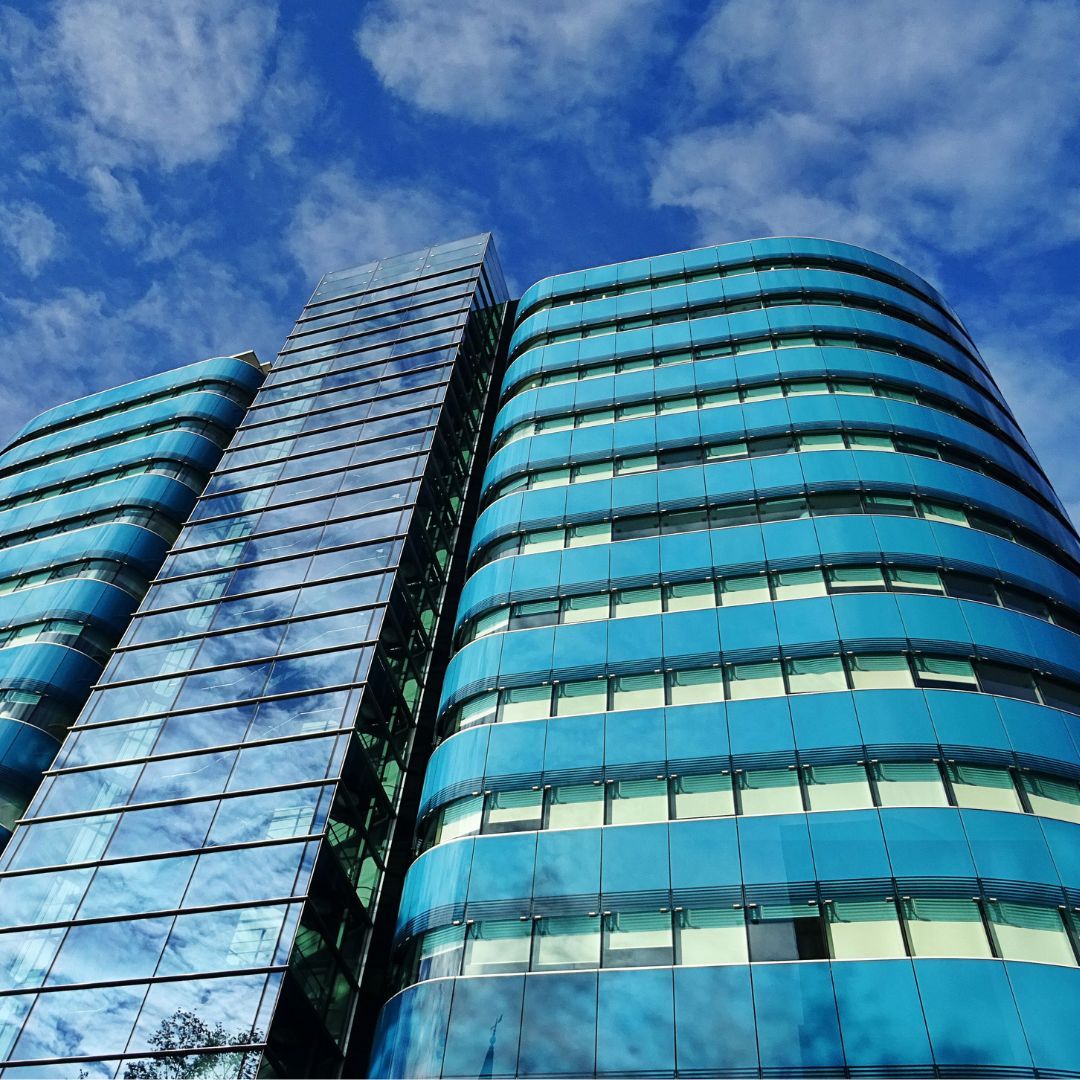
x=208 y=876
x=760 y=744
x=92 y=494
x=753 y=749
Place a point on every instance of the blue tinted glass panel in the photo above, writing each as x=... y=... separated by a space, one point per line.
x=706 y=1048
x=796 y=1017
x=971 y=1014
x=881 y=1017
x=485 y=1021
x=558 y=1028
x=635 y=1029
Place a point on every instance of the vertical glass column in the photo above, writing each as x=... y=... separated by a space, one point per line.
x=197 y=881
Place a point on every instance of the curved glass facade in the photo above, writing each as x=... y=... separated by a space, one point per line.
x=761 y=743
x=92 y=494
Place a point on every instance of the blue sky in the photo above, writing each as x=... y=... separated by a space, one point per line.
x=178 y=175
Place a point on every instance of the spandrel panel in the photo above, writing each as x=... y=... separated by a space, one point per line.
x=711 y=1048
x=485 y=1021
x=881 y=1016
x=559 y=1025
x=1045 y=998
x=796 y=1017
x=424 y=1013
x=635 y=1028
x=967 y=1037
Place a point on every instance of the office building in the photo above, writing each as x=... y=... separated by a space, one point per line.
x=760 y=741
x=203 y=865
x=703 y=700
x=92 y=494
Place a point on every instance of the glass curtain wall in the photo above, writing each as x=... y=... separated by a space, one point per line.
x=92 y=493
x=196 y=884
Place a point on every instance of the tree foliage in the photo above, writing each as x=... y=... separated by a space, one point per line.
x=185 y=1029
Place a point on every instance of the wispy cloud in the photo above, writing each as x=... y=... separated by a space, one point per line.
x=30 y=234
x=62 y=343
x=512 y=60
x=929 y=124
x=937 y=131
x=126 y=96
x=170 y=82
x=343 y=220
x=1043 y=390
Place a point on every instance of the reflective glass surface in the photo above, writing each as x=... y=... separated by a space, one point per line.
x=215 y=749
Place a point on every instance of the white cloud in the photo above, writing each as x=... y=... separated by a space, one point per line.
x=929 y=124
x=119 y=200
x=169 y=82
x=126 y=94
x=1046 y=404
x=63 y=344
x=941 y=132
x=133 y=223
x=288 y=102
x=516 y=58
x=30 y=234
x=741 y=179
x=343 y=221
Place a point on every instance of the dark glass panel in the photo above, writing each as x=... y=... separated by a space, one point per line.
x=1008 y=681
x=786 y=932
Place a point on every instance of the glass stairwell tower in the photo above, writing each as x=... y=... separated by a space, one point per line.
x=760 y=743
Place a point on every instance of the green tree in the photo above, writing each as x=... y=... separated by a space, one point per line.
x=186 y=1029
